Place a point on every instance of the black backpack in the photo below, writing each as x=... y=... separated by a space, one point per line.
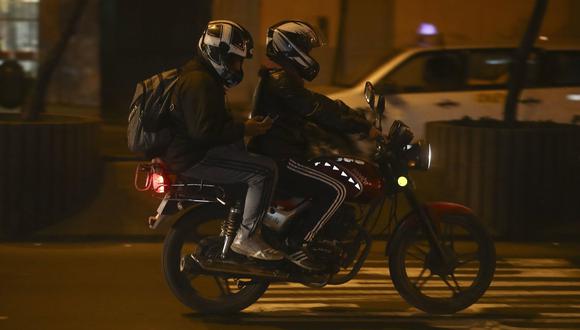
x=148 y=131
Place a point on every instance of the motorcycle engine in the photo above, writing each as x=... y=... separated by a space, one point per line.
x=337 y=244
x=341 y=224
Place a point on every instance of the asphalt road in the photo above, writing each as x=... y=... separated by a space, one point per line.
x=120 y=286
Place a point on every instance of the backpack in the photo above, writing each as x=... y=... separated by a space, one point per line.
x=148 y=131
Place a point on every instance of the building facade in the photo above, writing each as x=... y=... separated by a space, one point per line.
x=121 y=42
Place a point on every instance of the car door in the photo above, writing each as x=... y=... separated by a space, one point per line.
x=556 y=96
x=428 y=86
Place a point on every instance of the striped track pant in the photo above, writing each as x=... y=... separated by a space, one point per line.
x=328 y=194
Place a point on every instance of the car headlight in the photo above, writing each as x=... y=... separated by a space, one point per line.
x=418 y=155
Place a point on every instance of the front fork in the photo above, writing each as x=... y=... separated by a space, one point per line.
x=432 y=234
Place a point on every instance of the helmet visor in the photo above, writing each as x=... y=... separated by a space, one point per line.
x=310 y=37
x=317 y=39
x=243 y=41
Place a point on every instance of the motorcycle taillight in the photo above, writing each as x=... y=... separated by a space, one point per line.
x=156 y=178
x=159 y=182
x=159 y=179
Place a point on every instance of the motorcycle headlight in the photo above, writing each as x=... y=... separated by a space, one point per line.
x=418 y=155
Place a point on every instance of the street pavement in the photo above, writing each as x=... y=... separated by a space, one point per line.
x=117 y=285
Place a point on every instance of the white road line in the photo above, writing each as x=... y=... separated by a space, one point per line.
x=537 y=262
x=385 y=318
x=373 y=293
x=279 y=307
x=547 y=288
x=523 y=272
x=387 y=284
x=558 y=314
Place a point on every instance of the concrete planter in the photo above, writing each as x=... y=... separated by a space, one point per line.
x=48 y=169
x=517 y=180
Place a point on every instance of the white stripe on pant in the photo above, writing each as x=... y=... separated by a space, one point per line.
x=335 y=184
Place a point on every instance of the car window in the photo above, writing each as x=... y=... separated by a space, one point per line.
x=489 y=69
x=372 y=66
x=562 y=68
x=424 y=73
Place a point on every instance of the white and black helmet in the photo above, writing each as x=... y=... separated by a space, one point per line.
x=221 y=40
x=290 y=42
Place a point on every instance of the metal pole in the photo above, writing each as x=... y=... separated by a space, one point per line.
x=518 y=70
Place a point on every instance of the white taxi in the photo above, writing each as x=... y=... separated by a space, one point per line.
x=443 y=83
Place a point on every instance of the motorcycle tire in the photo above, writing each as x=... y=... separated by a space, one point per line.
x=414 y=293
x=178 y=281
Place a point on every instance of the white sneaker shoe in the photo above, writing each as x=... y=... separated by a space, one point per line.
x=254 y=247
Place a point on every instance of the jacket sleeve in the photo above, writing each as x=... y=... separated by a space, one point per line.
x=207 y=120
x=329 y=114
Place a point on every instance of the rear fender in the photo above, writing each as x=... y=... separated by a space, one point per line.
x=435 y=211
x=187 y=214
x=194 y=212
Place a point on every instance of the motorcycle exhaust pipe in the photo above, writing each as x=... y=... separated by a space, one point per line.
x=192 y=263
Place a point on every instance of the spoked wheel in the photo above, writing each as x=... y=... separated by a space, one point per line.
x=198 y=234
x=442 y=285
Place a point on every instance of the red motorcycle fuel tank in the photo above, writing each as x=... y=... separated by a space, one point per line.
x=361 y=178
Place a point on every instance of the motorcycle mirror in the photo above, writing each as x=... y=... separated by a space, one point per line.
x=381 y=105
x=380 y=111
x=370 y=94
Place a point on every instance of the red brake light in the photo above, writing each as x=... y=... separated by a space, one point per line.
x=159 y=183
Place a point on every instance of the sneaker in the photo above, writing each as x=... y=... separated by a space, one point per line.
x=254 y=247
x=301 y=259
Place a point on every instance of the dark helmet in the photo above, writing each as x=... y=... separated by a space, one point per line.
x=219 y=42
x=290 y=42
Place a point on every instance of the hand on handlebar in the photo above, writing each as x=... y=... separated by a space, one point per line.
x=374 y=133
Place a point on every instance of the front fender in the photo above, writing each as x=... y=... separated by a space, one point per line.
x=435 y=211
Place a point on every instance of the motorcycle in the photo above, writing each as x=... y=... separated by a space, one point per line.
x=441 y=259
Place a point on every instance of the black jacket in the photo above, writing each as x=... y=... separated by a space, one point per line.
x=200 y=120
x=280 y=94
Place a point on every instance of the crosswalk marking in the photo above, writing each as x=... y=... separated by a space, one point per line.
x=551 y=287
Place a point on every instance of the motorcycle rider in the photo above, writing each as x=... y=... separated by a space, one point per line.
x=208 y=143
x=281 y=94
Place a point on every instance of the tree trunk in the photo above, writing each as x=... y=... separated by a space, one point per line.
x=34 y=103
x=518 y=70
x=337 y=70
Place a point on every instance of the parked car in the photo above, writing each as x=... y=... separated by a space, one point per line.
x=442 y=83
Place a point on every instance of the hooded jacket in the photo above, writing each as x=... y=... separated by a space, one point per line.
x=200 y=120
x=282 y=95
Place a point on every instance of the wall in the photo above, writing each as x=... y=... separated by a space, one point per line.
x=368 y=38
x=140 y=39
x=481 y=21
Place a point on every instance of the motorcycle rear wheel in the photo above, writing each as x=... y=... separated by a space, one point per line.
x=204 y=293
x=427 y=283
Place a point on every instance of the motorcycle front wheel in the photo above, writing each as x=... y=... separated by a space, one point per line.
x=198 y=232
x=439 y=286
